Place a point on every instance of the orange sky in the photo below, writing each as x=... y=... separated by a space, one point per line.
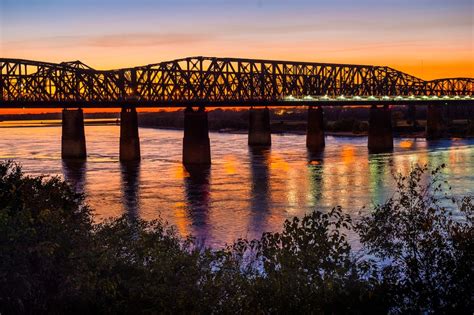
x=427 y=38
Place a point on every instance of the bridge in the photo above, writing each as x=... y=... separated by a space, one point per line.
x=223 y=82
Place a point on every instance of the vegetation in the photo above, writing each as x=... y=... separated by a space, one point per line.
x=427 y=249
x=415 y=258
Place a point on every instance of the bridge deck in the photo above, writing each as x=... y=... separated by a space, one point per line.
x=224 y=104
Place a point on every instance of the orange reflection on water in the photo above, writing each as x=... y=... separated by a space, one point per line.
x=347 y=154
x=230 y=164
x=406 y=144
x=180 y=172
x=344 y=178
x=182 y=221
x=277 y=162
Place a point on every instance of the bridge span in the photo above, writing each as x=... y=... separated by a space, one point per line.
x=201 y=82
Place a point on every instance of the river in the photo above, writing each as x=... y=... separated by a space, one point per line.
x=245 y=192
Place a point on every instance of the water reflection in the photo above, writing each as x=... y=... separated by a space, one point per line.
x=315 y=177
x=130 y=186
x=260 y=193
x=197 y=196
x=75 y=174
x=379 y=174
x=248 y=191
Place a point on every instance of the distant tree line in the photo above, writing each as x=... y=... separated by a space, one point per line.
x=337 y=119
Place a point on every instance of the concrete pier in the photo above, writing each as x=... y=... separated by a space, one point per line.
x=73 y=141
x=380 y=129
x=196 y=144
x=435 y=124
x=259 y=127
x=129 y=138
x=315 y=129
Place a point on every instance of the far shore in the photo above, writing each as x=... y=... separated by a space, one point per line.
x=281 y=127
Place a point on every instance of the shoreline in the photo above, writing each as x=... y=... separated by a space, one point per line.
x=347 y=134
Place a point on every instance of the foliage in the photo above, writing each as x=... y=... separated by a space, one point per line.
x=44 y=229
x=309 y=267
x=428 y=253
x=53 y=259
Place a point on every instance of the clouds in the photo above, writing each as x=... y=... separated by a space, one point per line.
x=122 y=33
x=111 y=41
x=144 y=39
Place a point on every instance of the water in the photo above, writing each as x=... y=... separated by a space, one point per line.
x=246 y=191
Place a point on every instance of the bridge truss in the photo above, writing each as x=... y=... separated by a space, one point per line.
x=217 y=82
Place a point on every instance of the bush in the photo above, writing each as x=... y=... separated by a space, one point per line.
x=54 y=259
x=309 y=267
x=45 y=229
x=428 y=256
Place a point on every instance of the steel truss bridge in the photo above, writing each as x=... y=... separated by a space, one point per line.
x=219 y=82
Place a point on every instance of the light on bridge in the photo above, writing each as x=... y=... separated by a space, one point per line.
x=397 y=98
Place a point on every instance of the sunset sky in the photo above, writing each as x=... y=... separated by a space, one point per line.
x=427 y=38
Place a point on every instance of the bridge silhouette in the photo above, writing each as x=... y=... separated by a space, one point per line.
x=219 y=82
x=224 y=82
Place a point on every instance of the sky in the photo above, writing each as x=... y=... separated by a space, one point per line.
x=427 y=38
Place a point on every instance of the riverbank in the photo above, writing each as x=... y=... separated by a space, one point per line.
x=351 y=122
x=339 y=122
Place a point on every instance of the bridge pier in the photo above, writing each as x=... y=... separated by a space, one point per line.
x=259 y=127
x=315 y=129
x=196 y=144
x=129 y=138
x=435 y=126
x=73 y=140
x=380 y=129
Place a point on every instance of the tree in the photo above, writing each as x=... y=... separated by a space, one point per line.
x=426 y=248
x=310 y=268
x=44 y=228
